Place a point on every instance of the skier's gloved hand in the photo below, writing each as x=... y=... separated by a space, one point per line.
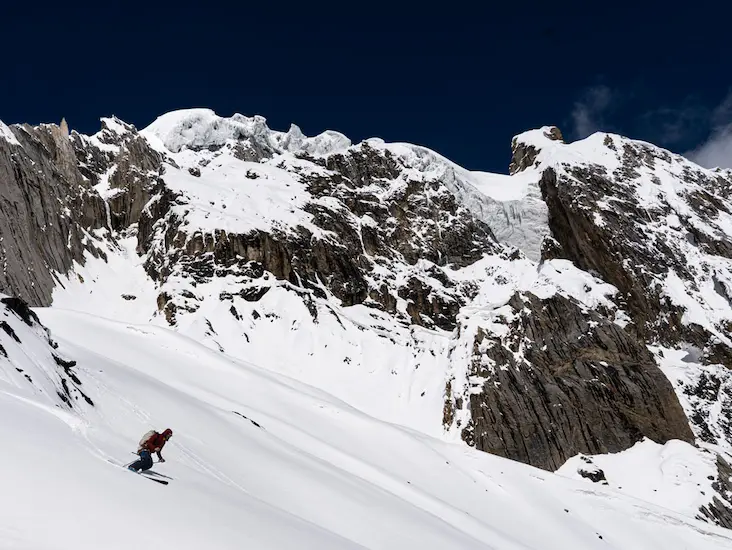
x=161 y=460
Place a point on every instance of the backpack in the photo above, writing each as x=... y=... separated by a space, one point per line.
x=145 y=438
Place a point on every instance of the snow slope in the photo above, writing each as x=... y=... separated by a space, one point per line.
x=316 y=473
x=675 y=475
x=353 y=353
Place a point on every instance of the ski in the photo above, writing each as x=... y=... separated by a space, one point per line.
x=161 y=481
x=157 y=474
x=247 y=418
x=144 y=474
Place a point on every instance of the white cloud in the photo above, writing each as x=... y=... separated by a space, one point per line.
x=587 y=114
x=717 y=150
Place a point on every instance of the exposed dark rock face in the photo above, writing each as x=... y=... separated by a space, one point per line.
x=131 y=167
x=46 y=207
x=523 y=157
x=21 y=309
x=592 y=472
x=719 y=511
x=562 y=381
x=48 y=204
x=137 y=175
x=551 y=249
x=596 y=476
x=418 y=219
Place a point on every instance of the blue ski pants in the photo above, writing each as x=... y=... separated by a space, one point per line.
x=145 y=462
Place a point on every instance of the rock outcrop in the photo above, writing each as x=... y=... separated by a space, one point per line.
x=31 y=363
x=47 y=210
x=653 y=225
x=369 y=220
x=559 y=381
x=719 y=510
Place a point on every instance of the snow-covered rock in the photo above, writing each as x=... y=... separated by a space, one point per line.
x=32 y=369
x=197 y=129
x=7 y=134
x=653 y=224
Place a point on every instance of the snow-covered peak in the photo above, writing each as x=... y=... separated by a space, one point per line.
x=540 y=137
x=293 y=139
x=113 y=132
x=325 y=143
x=195 y=128
x=199 y=140
x=116 y=126
x=654 y=176
x=203 y=128
x=7 y=134
x=527 y=146
x=510 y=205
x=665 y=216
x=547 y=148
x=328 y=142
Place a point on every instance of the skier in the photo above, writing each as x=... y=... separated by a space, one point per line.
x=151 y=442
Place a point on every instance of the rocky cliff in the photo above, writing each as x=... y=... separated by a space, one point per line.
x=560 y=378
x=48 y=211
x=658 y=228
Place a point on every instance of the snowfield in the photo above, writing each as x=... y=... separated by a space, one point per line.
x=259 y=460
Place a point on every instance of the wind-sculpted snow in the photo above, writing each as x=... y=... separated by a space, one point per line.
x=197 y=129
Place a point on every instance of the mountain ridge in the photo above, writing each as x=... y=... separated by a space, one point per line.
x=389 y=259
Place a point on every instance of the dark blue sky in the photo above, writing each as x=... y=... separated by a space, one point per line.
x=458 y=79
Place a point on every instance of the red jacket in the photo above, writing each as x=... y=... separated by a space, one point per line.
x=155 y=443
